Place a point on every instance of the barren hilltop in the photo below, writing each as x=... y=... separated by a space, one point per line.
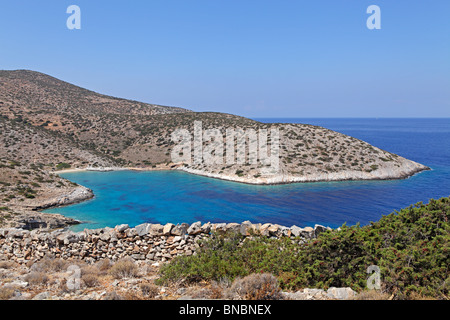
x=47 y=124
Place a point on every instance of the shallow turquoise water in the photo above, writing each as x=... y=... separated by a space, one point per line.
x=171 y=196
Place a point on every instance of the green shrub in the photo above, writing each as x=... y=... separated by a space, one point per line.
x=62 y=166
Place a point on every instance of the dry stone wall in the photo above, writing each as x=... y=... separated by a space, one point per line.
x=149 y=242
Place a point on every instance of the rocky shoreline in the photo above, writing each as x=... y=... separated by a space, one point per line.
x=152 y=243
x=29 y=217
x=406 y=170
x=79 y=194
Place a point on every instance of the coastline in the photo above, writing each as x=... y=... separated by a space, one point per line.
x=409 y=169
x=288 y=179
x=80 y=193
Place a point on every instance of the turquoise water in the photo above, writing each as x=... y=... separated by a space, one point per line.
x=172 y=196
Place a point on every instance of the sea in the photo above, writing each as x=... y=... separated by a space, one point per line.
x=135 y=197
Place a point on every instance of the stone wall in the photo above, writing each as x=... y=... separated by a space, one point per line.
x=149 y=242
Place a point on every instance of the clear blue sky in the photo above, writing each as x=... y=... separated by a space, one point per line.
x=256 y=58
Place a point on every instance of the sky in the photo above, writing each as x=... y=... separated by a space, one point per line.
x=254 y=58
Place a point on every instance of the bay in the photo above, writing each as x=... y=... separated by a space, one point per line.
x=172 y=196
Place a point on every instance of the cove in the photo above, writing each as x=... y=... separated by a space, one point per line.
x=173 y=196
x=135 y=197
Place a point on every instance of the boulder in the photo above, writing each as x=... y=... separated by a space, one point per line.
x=299 y=295
x=308 y=232
x=285 y=231
x=246 y=228
x=219 y=228
x=206 y=228
x=180 y=229
x=195 y=228
x=67 y=237
x=156 y=230
x=168 y=229
x=131 y=232
x=318 y=229
x=233 y=227
x=143 y=229
x=265 y=229
x=42 y=296
x=121 y=228
x=274 y=230
x=340 y=293
x=296 y=231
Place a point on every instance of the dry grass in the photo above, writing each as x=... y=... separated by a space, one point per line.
x=103 y=266
x=50 y=265
x=36 y=278
x=149 y=290
x=254 y=287
x=7 y=264
x=90 y=280
x=6 y=293
x=124 y=269
x=112 y=296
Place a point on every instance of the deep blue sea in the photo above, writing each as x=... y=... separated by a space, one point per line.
x=170 y=196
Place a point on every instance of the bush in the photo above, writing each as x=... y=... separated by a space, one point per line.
x=62 y=166
x=112 y=296
x=149 y=290
x=47 y=265
x=36 y=278
x=90 y=280
x=6 y=293
x=124 y=269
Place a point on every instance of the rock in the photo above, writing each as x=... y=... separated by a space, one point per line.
x=177 y=238
x=67 y=237
x=285 y=231
x=180 y=229
x=219 y=228
x=296 y=231
x=168 y=228
x=274 y=230
x=121 y=228
x=299 y=295
x=41 y=296
x=195 y=228
x=246 y=228
x=314 y=294
x=206 y=228
x=318 y=229
x=156 y=230
x=233 y=227
x=340 y=293
x=265 y=229
x=131 y=232
x=106 y=236
x=308 y=232
x=143 y=229
x=18 y=283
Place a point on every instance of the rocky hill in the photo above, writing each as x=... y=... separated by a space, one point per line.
x=47 y=124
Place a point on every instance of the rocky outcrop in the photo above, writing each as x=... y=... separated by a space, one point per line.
x=78 y=194
x=30 y=221
x=148 y=242
x=401 y=170
x=332 y=293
